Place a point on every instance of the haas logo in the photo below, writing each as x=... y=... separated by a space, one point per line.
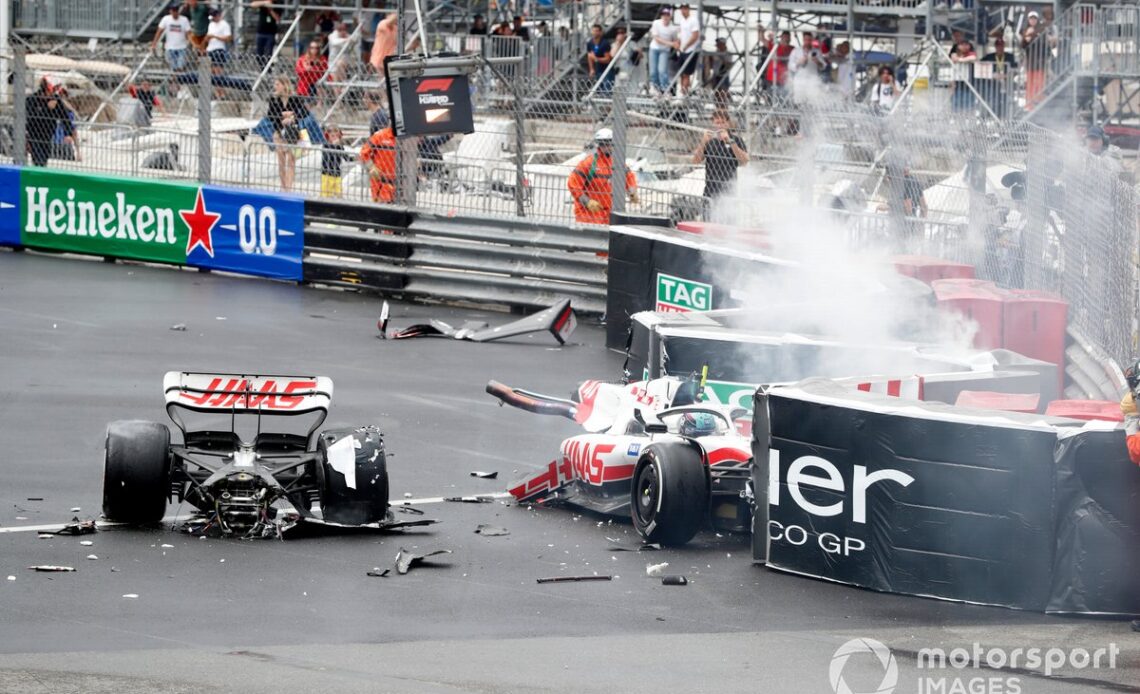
x=585 y=460
x=238 y=392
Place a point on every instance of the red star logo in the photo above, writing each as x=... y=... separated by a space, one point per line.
x=201 y=224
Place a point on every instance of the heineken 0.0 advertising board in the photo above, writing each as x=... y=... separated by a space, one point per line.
x=184 y=224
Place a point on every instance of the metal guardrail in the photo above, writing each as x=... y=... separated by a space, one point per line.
x=454 y=259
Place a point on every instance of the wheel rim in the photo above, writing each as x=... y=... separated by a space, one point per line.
x=648 y=489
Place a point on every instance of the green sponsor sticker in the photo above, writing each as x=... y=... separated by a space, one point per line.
x=679 y=295
x=105 y=216
x=730 y=393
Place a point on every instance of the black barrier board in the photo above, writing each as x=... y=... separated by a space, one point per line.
x=1096 y=569
x=864 y=492
x=435 y=103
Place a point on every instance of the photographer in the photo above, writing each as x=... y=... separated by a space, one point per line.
x=722 y=152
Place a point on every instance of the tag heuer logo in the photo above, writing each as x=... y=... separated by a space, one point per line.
x=678 y=295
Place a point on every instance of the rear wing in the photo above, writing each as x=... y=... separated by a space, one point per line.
x=247 y=393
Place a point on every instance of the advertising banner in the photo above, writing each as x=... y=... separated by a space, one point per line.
x=158 y=221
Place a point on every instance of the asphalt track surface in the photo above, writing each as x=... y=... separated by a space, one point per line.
x=84 y=342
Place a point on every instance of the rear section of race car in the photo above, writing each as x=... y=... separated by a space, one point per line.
x=240 y=482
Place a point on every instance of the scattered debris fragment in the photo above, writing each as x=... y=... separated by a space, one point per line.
x=86 y=543
x=49 y=568
x=382 y=324
x=180 y=327
x=131 y=596
x=92 y=557
x=647 y=547
x=558 y=320
x=405 y=560
x=407 y=495
x=410 y=509
x=46 y=536
x=656 y=570
x=165 y=546
x=491 y=530
x=376 y=572
x=574 y=579
x=674 y=581
x=469 y=499
x=75 y=509
x=485 y=475
x=35 y=498
x=78 y=527
x=11 y=578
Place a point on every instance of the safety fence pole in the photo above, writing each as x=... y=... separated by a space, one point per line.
x=621 y=84
x=205 y=91
x=19 y=103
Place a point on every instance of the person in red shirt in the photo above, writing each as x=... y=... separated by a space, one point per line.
x=778 y=64
x=1128 y=409
x=379 y=155
x=590 y=185
x=311 y=67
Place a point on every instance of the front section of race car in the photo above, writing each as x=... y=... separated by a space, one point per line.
x=652 y=452
x=242 y=479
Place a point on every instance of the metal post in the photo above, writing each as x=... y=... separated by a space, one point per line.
x=520 y=143
x=205 y=92
x=5 y=32
x=617 y=181
x=19 y=103
x=406 y=146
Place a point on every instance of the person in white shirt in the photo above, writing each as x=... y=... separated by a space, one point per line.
x=338 y=41
x=664 y=38
x=805 y=54
x=844 y=69
x=218 y=38
x=690 y=37
x=884 y=92
x=176 y=29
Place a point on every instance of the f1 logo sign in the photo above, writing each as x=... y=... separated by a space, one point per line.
x=439 y=84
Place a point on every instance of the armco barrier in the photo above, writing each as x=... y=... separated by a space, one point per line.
x=926 y=499
x=253 y=233
x=424 y=256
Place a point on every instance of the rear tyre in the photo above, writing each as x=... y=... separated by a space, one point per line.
x=136 y=472
x=353 y=476
x=670 y=496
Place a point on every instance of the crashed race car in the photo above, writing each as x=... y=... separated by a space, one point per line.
x=652 y=451
x=258 y=482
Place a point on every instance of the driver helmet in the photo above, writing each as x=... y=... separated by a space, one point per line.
x=697 y=424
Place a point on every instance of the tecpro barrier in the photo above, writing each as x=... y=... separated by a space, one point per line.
x=201 y=226
x=926 y=499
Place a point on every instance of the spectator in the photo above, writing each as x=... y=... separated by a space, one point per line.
x=219 y=36
x=148 y=100
x=778 y=65
x=689 y=29
x=267 y=24
x=517 y=29
x=1036 y=53
x=956 y=37
x=1096 y=141
x=994 y=87
x=385 y=44
x=62 y=147
x=478 y=26
x=379 y=119
x=428 y=149
x=885 y=92
x=199 y=23
x=368 y=20
x=905 y=201
x=175 y=28
x=844 y=69
x=285 y=114
x=629 y=58
x=718 y=72
x=805 y=55
x=543 y=30
x=764 y=44
x=914 y=199
x=590 y=185
x=45 y=113
x=564 y=33
x=962 y=99
x=379 y=155
x=326 y=22
x=338 y=42
x=599 y=53
x=722 y=152
x=311 y=67
x=664 y=41
x=504 y=29
x=333 y=156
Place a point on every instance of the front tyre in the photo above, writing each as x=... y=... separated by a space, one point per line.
x=670 y=496
x=136 y=472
